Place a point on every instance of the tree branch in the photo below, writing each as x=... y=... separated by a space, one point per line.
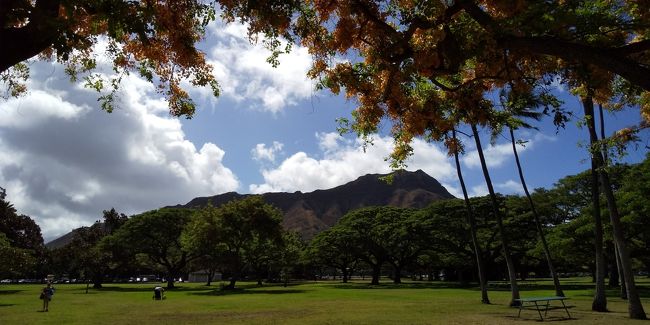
x=22 y=43
x=606 y=59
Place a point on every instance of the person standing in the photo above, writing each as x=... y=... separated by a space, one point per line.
x=46 y=295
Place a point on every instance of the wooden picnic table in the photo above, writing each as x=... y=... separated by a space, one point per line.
x=541 y=303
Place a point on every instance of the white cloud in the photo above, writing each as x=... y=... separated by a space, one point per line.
x=344 y=161
x=495 y=155
x=261 y=152
x=509 y=187
x=478 y=190
x=36 y=109
x=244 y=75
x=63 y=160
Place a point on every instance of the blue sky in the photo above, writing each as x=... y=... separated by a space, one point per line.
x=63 y=160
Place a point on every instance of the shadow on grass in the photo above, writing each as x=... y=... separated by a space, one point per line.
x=549 y=318
x=249 y=291
x=138 y=289
x=644 y=290
x=9 y=292
x=405 y=285
x=7 y=305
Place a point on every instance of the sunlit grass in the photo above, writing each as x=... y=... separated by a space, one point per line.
x=306 y=303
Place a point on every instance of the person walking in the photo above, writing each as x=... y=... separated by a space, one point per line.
x=46 y=295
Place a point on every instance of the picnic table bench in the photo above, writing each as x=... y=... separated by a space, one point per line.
x=542 y=303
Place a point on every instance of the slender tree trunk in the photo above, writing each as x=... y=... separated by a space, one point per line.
x=621 y=277
x=613 y=271
x=600 y=299
x=635 y=308
x=210 y=276
x=478 y=252
x=538 y=223
x=344 y=270
x=512 y=274
x=619 y=266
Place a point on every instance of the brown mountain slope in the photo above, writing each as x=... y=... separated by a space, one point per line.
x=310 y=213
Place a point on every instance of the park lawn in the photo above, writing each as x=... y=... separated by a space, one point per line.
x=305 y=303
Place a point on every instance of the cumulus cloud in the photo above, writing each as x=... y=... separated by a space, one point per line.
x=344 y=160
x=244 y=75
x=478 y=190
x=495 y=155
x=63 y=160
x=510 y=187
x=262 y=153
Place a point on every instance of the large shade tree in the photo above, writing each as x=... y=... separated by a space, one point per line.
x=156 y=235
x=239 y=234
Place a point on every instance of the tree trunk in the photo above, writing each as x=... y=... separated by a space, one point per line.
x=344 y=270
x=495 y=209
x=538 y=223
x=613 y=272
x=210 y=276
x=170 y=282
x=397 y=279
x=97 y=281
x=621 y=277
x=478 y=252
x=617 y=256
x=635 y=308
x=600 y=300
x=231 y=284
x=376 y=271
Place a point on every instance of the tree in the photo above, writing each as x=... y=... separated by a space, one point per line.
x=521 y=106
x=156 y=235
x=455 y=147
x=14 y=261
x=371 y=248
x=238 y=232
x=405 y=235
x=156 y=39
x=635 y=308
x=86 y=256
x=290 y=255
x=512 y=274
x=335 y=247
x=636 y=208
x=449 y=243
x=23 y=240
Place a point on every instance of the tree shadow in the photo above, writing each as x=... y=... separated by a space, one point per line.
x=644 y=290
x=9 y=292
x=7 y=305
x=405 y=285
x=243 y=291
x=137 y=289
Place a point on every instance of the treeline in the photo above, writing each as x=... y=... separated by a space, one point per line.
x=245 y=239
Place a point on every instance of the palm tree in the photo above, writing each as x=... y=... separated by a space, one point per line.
x=538 y=223
x=619 y=268
x=478 y=252
x=514 y=288
x=518 y=107
x=635 y=308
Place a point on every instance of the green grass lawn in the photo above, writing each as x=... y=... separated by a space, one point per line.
x=305 y=303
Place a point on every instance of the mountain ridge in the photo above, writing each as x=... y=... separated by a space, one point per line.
x=312 y=212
